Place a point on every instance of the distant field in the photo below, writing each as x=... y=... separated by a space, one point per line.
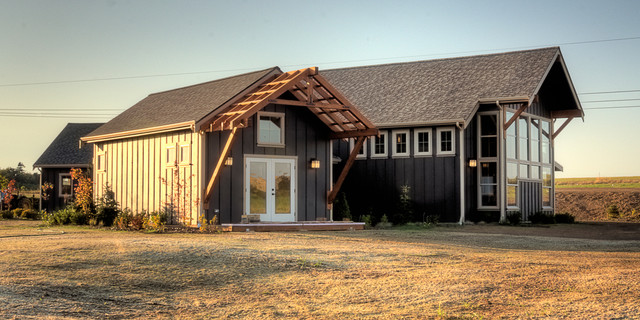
x=600 y=182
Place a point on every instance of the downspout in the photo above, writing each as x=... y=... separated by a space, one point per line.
x=40 y=198
x=501 y=164
x=330 y=164
x=462 y=173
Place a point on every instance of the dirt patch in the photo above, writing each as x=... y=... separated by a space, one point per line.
x=590 y=204
x=449 y=273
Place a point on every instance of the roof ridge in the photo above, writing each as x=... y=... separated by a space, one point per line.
x=216 y=80
x=444 y=59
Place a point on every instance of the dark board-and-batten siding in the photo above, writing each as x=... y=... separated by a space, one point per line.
x=306 y=138
x=373 y=186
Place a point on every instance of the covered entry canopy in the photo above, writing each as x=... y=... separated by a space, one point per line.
x=308 y=90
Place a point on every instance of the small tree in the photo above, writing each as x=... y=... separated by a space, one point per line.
x=178 y=199
x=8 y=193
x=341 y=210
x=83 y=191
x=405 y=206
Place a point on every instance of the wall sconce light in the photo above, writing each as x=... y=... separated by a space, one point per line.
x=473 y=163
x=228 y=161
x=315 y=164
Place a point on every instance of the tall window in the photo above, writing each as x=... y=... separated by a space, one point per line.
x=488 y=159
x=271 y=129
x=546 y=186
x=379 y=145
x=446 y=142
x=512 y=184
x=100 y=162
x=65 y=185
x=523 y=143
x=400 y=143
x=488 y=136
x=422 y=142
x=488 y=184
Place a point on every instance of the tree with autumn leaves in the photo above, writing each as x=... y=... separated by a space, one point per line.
x=7 y=193
x=83 y=191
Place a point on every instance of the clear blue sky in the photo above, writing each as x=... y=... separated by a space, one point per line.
x=62 y=41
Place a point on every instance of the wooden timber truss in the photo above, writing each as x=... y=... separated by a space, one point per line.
x=311 y=91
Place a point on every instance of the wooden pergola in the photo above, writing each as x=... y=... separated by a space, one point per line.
x=311 y=91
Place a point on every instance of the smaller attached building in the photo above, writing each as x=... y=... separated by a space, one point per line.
x=55 y=164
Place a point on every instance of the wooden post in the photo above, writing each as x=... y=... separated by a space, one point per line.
x=352 y=157
x=216 y=171
x=515 y=116
x=564 y=124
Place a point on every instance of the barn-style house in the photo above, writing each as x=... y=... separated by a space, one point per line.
x=254 y=145
x=470 y=137
x=463 y=136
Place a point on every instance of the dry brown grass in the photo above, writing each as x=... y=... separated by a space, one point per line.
x=448 y=273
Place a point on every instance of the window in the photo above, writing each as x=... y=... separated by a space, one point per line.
x=422 y=142
x=488 y=136
x=170 y=155
x=511 y=138
x=271 y=129
x=512 y=184
x=523 y=135
x=379 y=145
x=535 y=140
x=546 y=146
x=488 y=184
x=446 y=143
x=101 y=165
x=185 y=154
x=401 y=143
x=546 y=186
x=362 y=154
x=65 y=185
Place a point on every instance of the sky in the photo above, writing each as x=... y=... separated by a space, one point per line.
x=87 y=61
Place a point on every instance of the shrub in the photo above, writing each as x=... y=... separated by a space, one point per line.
x=341 y=210
x=542 y=217
x=384 y=223
x=154 y=222
x=613 y=212
x=209 y=225
x=405 y=206
x=432 y=219
x=6 y=214
x=514 y=218
x=366 y=219
x=565 y=217
x=78 y=217
x=486 y=216
x=17 y=213
x=61 y=217
x=30 y=214
x=137 y=221
x=107 y=208
x=123 y=219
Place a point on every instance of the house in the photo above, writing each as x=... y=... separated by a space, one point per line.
x=257 y=144
x=470 y=137
x=58 y=159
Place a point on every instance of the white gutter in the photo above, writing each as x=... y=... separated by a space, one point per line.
x=462 y=175
x=502 y=164
x=40 y=197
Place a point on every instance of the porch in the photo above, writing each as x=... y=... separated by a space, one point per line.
x=293 y=226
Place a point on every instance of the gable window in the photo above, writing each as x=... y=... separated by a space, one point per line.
x=100 y=162
x=379 y=145
x=170 y=155
x=401 y=143
x=446 y=143
x=185 y=154
x=362 y=154
x=422 y=142
x=65 y=185
x=271 y=129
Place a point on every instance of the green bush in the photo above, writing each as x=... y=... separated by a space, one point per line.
x=565 y=217
x=366 y=219
x=405 y=206
x=341 y=210
x=154 y=221
x=514 y=218
x=78 y=217
x=61 y=217
x=30 y=214
x=542 y=217
x=107 y=208
x=613 y=212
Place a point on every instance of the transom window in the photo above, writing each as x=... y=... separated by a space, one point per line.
x=422 y=142
x=446 y=143
x=401 y=143
x=271 y=128
x=379 y=145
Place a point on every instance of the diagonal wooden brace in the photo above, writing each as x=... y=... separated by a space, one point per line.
x=352 y=157
x=216 y=171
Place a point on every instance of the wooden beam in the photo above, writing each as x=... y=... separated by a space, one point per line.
x=352 y=157
x=216 y=171
x=515 y=116
x=557 y=132
x=566 y=113
x=305 y=104
x=342 y=99
x=354 y=133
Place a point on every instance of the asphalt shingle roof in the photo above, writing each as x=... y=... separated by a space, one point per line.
x=190 y=103
x=439 y=90
x=64 y=149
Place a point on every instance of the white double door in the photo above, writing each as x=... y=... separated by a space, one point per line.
x=270 y=188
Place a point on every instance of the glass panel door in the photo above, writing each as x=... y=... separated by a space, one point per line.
x=270 y=188
x=257 y=187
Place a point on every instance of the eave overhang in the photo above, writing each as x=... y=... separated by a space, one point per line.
x=188 y=125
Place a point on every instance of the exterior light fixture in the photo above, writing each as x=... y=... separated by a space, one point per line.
x=473 y=163
x=315 y=164
x=228 y=161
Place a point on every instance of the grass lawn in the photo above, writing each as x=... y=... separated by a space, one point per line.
x=447 y=273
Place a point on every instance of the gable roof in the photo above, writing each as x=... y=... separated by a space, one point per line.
x=443 y=90
x=64 y=150
x=181 y=107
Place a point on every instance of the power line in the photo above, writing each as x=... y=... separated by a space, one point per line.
x=322 y=63
x=607 y=92
x=604 y=108
x=614 y=100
